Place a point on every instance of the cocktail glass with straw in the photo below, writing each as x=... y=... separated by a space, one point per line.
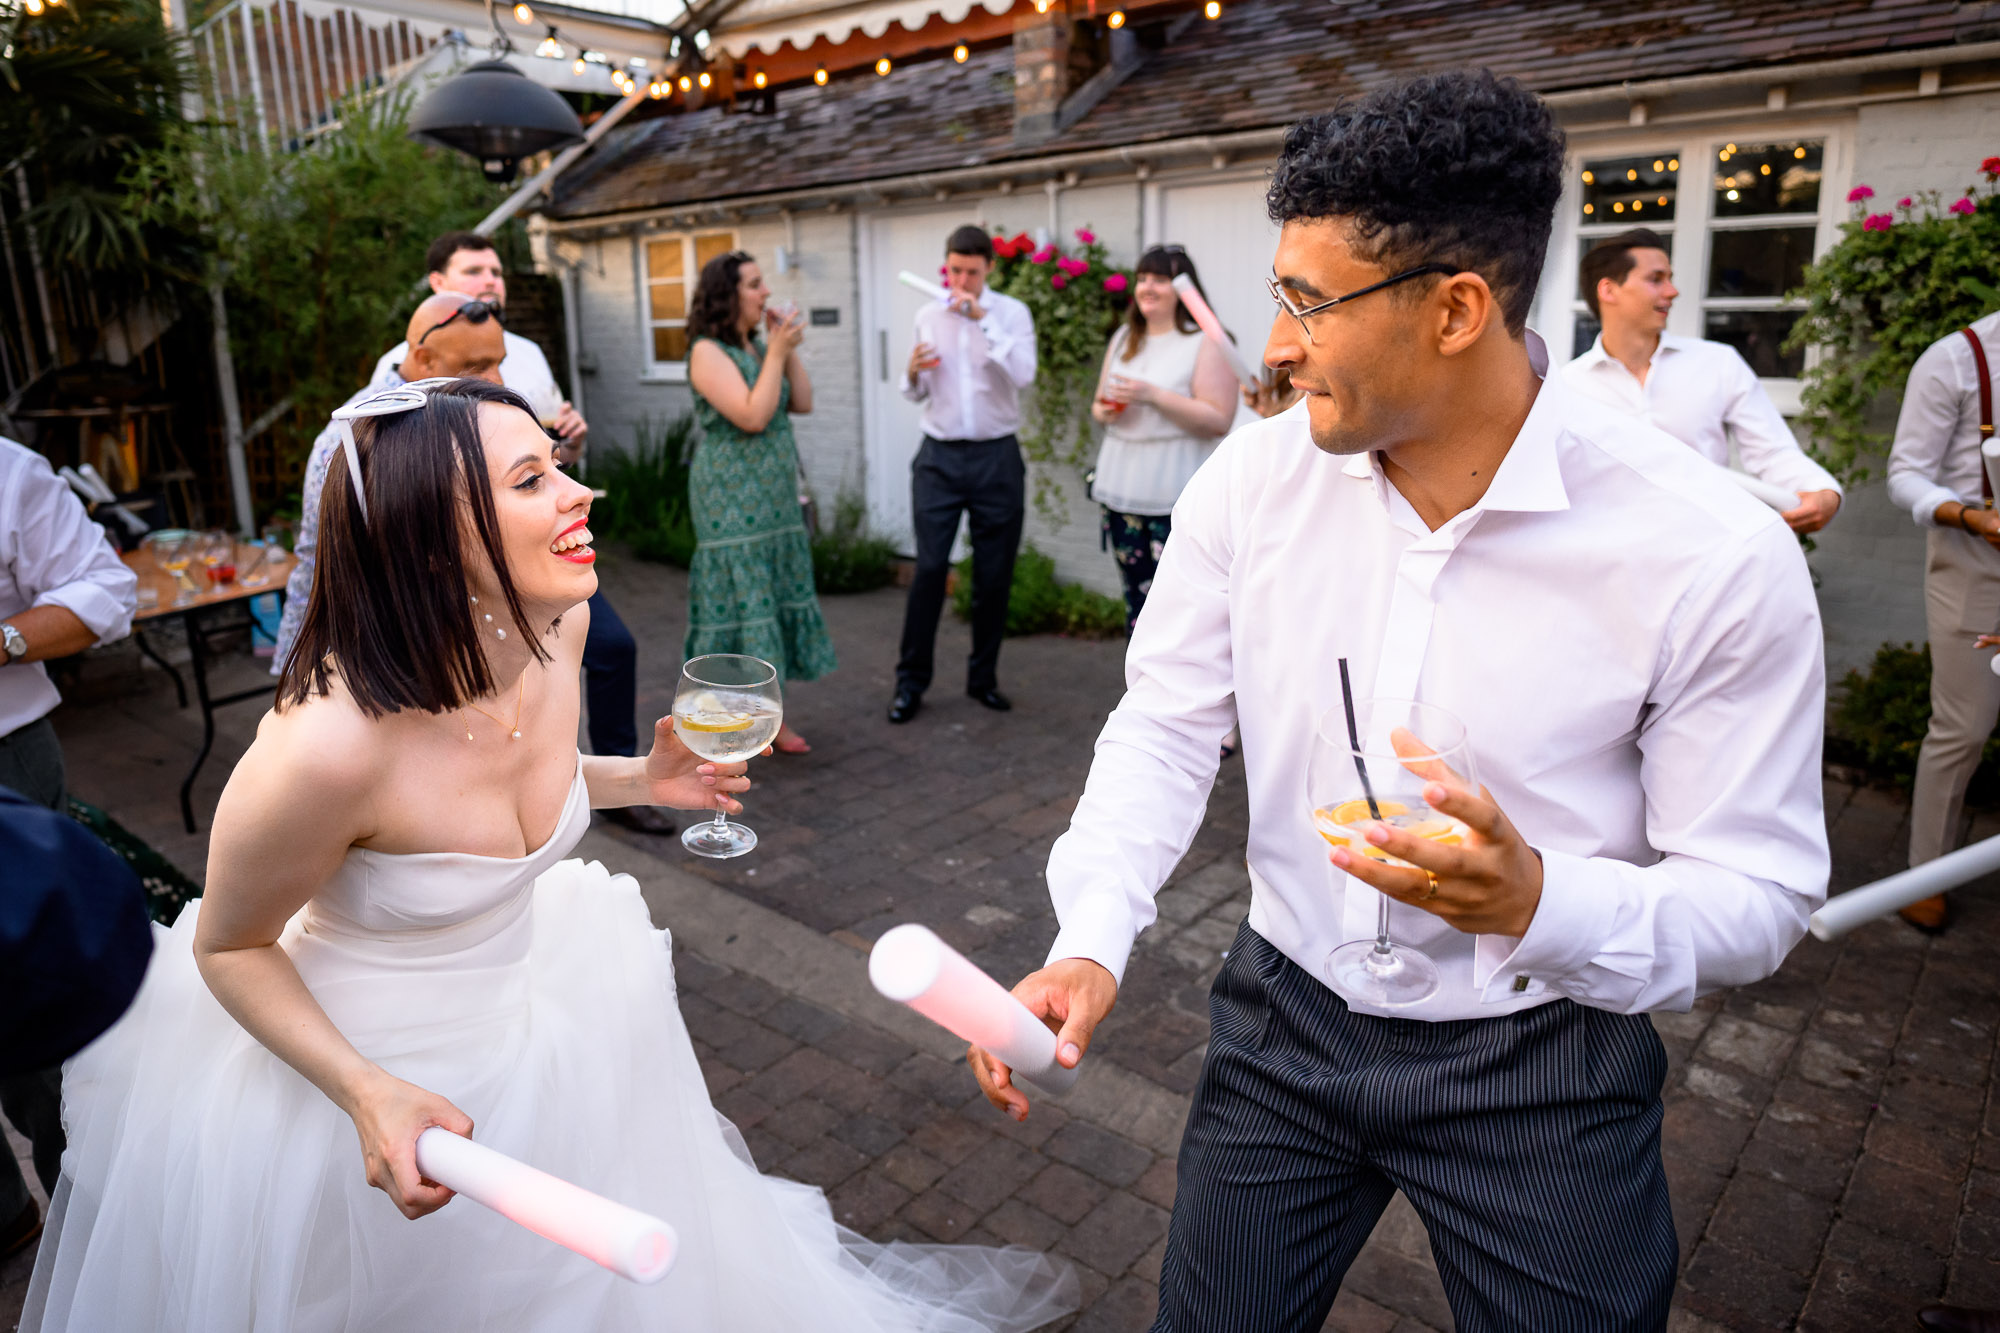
x=1370 y=765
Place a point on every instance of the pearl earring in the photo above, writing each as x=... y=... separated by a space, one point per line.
x=496 y=630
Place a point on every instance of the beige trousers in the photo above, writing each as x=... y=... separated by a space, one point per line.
x=1961 y=601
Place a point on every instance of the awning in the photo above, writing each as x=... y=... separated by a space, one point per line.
x=766 y=25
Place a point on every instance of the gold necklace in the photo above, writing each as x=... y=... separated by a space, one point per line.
x=514 y=732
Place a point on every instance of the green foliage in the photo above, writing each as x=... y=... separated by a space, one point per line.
x=645 y=488
x=1075 y=314
x=1879 y=719
x=847 y=557
x=86 y=88
x=1896 y=283
x=1038 y=604
x=320 y=251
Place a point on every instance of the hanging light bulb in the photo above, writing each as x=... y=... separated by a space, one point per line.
x=658 y=88
x=1589 y=177
x=704 y=78
x=882 y=67
x=1588 y=209
x=1042 y=6
x=1799 y=152
x=759 y=79
x=549 y=48
x=1659 y=165
x=1673 y=164
x=961 y=53
x=819 y=76
x=577 y=68
x=1212 y=10
x=33 y=7
x=686 y=83
x=1117 y=19
x=523 y=15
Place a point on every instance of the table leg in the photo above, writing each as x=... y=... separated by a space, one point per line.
x=197 y=662
x=146 y=647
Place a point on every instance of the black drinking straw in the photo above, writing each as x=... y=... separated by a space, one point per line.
x=1354 y=742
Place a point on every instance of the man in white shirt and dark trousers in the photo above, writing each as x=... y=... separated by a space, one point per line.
x=1936 y=474
x=974 y=354
x=1699 y=392
x=62 y=589
x=1634 y=648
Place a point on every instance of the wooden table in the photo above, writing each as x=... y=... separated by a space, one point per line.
x=200 y=626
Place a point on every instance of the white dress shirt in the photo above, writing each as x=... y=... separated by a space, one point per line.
x=305 y=548
x=1700 y=393
x=1631 y=641
x=523 y=369
x=52 y=554
x=974 y=392
x=1936 y=454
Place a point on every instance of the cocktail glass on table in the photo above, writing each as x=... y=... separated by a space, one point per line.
x=728 y=708
x=1370 y=765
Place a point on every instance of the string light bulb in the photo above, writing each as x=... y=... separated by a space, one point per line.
x=1764 y=169
x=1117 y=19
x=961 y=53
x=1663 y=201
x=1729 y=148
x=820 y=76
x=1673 y=164
x=1631 y=174
x=1588 y=209
x=882 y=67
x=34 y=7
x=686 y=83
x=656 y=89
x=759 y=79
x=1638 y=204
x=523 y=15
x=577 y=68
x=1799 y=152
x=1618 y=208
x=1212 y=10
x=704 y=78
x=1659 y=165
x=1042 y=6
x=549 y=48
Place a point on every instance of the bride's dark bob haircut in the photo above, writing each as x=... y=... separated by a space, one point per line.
x=391 y=609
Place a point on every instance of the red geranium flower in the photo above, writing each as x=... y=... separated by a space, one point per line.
x=1023 y=242
x=1116 y=283
x=1877 y=222
x=1963 y=206
x=1076 y=268
x=1991 y=166
x=1085 y=236
x=1858 y=193
x=1005 y=249
x=1043 y=255
x=1058 y=281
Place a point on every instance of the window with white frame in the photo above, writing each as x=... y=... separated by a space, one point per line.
x=668 y=269
x=1742 y=217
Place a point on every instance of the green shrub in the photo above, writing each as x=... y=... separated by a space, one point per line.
x=645 y=488
x=1879 y=719
x=1037 y=604
x=847 y=557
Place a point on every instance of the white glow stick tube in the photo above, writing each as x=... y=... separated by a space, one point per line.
x=917 y=284
x=1858 y=906
x=1777 y=497
x=624 y=1240
x=912 y=966
x=1196 y=306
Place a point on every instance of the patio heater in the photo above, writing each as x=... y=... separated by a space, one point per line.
x=496 y=115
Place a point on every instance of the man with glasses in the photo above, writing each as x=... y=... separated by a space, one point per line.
x=1702 y=393
x=1632 y=647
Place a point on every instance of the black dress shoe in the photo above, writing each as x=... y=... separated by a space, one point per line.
x=19 y=1233
x=641 y=819
x=905 y=705
x=1956 y=1319
x=993 y=699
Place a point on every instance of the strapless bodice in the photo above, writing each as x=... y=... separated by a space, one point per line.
x=424 y=904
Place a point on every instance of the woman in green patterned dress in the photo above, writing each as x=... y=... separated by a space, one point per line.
x=750 y=587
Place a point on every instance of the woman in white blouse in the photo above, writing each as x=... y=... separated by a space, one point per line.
x=1165 y=398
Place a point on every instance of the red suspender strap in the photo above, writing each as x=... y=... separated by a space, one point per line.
x=1985 y=411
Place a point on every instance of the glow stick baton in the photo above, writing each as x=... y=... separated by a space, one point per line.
x=1777 y=497
x=915 y=283
x=624 y=1240
x=1212 y=326
x=1899 y=890
x=912 y=966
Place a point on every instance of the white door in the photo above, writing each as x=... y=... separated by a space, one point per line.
x=1228 y=235
x=890 y=242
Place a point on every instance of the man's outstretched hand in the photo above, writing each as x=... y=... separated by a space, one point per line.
x=1071 y=995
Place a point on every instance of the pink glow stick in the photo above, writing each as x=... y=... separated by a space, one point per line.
x=624 y=1240
x=1196 y=306
x=912 y=966
x=917 y=284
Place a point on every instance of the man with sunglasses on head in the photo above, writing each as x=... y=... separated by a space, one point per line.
x=1632 y=648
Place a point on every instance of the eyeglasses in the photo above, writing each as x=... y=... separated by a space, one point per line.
x=475 y=312
x=388 y=403
x=1300 y=313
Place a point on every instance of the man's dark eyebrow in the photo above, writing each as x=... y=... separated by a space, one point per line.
x=1300 y=285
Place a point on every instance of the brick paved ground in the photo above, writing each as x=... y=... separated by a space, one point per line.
x=1833 y=1157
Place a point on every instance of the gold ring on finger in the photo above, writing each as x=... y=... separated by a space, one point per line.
x=1432 y=891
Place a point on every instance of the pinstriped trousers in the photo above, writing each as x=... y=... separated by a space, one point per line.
x=1529 y=1144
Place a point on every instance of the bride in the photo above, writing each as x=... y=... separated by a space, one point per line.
x=391 y=940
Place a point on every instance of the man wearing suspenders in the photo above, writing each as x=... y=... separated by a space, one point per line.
x=1936 y=472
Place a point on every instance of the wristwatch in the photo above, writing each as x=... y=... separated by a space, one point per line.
x=11 y=640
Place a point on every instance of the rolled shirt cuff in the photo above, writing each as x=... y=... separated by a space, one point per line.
x=1099 y=928
x=105 y=603
x=1571 y=926
x=1924 y=511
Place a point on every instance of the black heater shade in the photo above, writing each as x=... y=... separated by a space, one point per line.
x=494 y=113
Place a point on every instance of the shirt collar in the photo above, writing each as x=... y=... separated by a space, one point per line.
x=1530 y=476
x=1597 y=356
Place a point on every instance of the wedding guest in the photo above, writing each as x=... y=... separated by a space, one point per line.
x=1702 y=393
x=750 y=586
x=974 y=353
x=1165 y=396
x=62 y=589
x=467 y=262
x=1936 y=474
x=1633 y=646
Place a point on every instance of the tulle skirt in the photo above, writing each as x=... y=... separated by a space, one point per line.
x=208 y=1188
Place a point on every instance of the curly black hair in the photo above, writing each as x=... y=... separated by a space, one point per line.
x=713 y=311
x=1461 y=168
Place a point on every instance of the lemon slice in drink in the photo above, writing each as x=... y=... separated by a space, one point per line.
x=715 y=722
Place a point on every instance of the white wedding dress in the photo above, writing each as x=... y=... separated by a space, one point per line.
x=208 y=1188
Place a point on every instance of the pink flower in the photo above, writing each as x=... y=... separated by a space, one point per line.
x=1991 y=166
x=944 y=271
x=1116 y=283
x=1877 y=222
x=1905 y=202
x=1085 y=236
x=1058 y=281
x=1043 y=255
x=1858 y=193
x=1963 y=207
x=1076 y=268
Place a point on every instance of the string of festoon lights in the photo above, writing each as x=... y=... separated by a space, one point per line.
x=36 y=8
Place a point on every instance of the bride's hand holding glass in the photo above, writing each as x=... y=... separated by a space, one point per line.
x=681 y=779
x=388 y=1114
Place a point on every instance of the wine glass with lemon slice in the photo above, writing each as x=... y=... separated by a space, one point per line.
x=728 y=708
x=1369 y=768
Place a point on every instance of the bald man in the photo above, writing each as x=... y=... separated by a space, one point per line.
x=450 y=334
